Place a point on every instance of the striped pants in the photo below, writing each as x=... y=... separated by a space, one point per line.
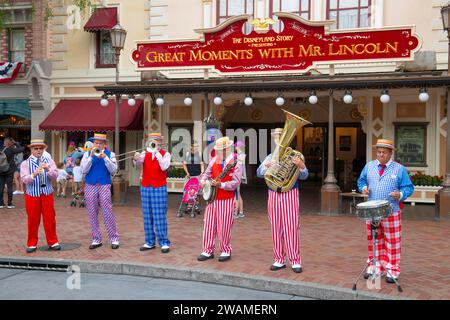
x=35 y=207
x=154 y=213
x=283 y=215
x=218 y=222
x=387 y=246
x=99 y=195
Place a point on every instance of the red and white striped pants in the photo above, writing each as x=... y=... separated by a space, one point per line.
x=283 y=215
x=218 y=222
x=388 y=244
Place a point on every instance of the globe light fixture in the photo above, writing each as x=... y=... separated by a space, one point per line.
x=131 y=101
x=348 y=98
x=423 y=95
x=187 y=101
x=217 y=100
x=248 y=100
x=159 y=101
x=385 y=98
x=104 y=101
x=279 y=101
x=313 y=98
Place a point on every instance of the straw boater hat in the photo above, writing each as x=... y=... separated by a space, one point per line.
x=277 y=131
x=100 y=136
x=223 y=143
x=155 y=135
x=37 y=142
x=385 y=143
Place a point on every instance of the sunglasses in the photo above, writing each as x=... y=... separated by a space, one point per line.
x=38 y=148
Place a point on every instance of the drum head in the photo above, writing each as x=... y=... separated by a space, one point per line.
x=207 y=190
x=372 y=204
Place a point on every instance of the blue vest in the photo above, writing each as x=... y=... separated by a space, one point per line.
x=98 y=172
x=381 y=187
x=42 y=183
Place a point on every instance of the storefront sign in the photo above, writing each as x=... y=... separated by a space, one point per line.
x=286 y=44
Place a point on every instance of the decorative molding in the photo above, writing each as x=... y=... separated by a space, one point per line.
x=380 y=131
x=441 y=127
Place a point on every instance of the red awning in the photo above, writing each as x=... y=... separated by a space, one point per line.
x=102 y=19
x=89 y=115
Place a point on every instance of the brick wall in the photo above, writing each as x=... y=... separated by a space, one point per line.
x=35 y=36
x=4 y=46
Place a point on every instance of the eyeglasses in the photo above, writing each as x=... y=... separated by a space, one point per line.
x=38 y=148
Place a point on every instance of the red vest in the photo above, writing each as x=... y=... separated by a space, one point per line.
x=152 y=175
x=216 y=171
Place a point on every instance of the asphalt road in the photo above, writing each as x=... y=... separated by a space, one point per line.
x=21 y=284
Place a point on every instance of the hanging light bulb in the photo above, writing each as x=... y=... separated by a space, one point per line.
x=423 y=95
x=159 y=101
x=348 y=98
x=188 y=101
x=248 y=100
x=385 y=98
x=313 y=98
x=279 y=100
x=104 y=101
x=131 y=101
x=217 y=100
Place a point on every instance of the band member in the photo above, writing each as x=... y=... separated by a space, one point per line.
x=283 y=208
x=155 y=163
x=99 y=165
x=37 y=173
x=381 y=179
x=219 y=213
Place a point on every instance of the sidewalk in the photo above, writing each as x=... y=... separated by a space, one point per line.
x=333 y=249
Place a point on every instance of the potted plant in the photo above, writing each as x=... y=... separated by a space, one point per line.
x=425 y=188
x=175 y=179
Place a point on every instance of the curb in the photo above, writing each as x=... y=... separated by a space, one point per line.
x=290 y=287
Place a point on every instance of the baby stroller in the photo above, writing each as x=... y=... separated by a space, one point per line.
x=189 y=202
x=78 y=198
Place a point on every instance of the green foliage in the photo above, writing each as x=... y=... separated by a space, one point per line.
x=420 y=179
x=175 y=172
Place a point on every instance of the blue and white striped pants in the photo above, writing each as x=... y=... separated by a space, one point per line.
x=154 y=213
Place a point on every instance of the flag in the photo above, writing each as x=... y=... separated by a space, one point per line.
x=8 y=71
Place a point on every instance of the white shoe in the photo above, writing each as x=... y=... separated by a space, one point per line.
x=17 y=192
x=278 y=265
x=10 y=207
x=1 y=207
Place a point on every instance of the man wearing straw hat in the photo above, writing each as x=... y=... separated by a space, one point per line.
x=155 y=163
x=99 y=165
x=37 y=173
x=219 y=213
x=381 y=179
x=283 y=210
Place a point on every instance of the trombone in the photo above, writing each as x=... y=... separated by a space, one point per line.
x=150 y=146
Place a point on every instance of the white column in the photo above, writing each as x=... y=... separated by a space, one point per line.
x=377 y=13
x=316 y=10
x=260 y=9
x=207 y=13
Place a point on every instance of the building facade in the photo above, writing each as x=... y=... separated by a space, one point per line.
x=25 y=100
x=83 y=59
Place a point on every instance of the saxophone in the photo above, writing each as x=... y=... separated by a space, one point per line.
x=283 y=174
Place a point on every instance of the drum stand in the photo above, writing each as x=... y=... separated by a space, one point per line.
x=374 y=225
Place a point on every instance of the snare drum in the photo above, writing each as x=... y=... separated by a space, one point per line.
x=374 y=209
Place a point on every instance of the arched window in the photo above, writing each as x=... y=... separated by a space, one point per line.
x=349 y=13
x=35 y=88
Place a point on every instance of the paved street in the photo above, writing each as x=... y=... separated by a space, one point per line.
x=49 y=285
x=333 y=248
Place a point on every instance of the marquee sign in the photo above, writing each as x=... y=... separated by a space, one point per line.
x=289 y=43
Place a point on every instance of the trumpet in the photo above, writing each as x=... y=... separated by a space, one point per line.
x=98 y=152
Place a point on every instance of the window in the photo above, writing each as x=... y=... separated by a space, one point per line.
x=229 y=8
x=17 y=45
x=180 y=138
x=105 y=56
x=349 y=13
x=411 y=144
x=300 y=7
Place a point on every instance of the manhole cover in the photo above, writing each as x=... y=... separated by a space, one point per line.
x=64 y=247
